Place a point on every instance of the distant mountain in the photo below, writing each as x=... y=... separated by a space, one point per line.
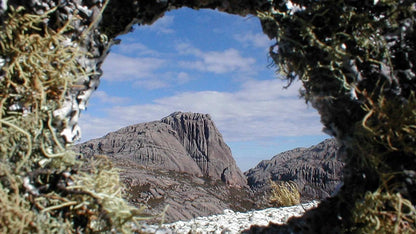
x=181 y=142
x=181 y=161
x=316 y=170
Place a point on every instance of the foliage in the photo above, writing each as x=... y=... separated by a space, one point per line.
x=284 y=193
x=384 y=212
x=357 y=62
x=43 y=187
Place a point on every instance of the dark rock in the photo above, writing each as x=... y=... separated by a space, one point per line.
x=205 y=145
x=316 y=170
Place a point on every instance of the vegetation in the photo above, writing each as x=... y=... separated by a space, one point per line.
x=384 y=212
x=357 y=62
x=43 y=187
x=284 y=193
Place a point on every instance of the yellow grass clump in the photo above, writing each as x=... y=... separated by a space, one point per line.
x=284 y=193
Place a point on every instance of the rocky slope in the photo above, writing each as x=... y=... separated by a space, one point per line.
x=184 y=196
x=231 y=222
x=181 y=142
x=181 y=161
x=316 y=170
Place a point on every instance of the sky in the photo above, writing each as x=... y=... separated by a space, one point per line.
x=208 y=62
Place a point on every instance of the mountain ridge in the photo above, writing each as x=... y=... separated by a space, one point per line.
x=316 y=170
x=182 y=161
x=182 y=142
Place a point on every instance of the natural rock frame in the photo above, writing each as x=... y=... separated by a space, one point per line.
x=361 y=83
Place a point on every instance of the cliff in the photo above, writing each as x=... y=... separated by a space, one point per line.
x=316 y=170
x=181 y=161
x=181 y=142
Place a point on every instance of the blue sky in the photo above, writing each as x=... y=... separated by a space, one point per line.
x=208 y=62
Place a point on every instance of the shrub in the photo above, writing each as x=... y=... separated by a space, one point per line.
x=284 y=193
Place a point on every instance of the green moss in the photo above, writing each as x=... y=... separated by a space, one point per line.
x=356 y=62
x=384 y=212
x=43 y=186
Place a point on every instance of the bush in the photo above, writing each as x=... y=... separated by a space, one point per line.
x=284 y=193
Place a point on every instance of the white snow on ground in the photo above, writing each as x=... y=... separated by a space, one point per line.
x=231 y=222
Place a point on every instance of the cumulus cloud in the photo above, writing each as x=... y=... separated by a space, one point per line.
x=119 y=67
x=218 y=62
x=259 y=110
x=183 y=77
x=258 y=40
x=143 y=72
x=135 y=49
x=103 y=97
x=162 y=25
x=151 y=84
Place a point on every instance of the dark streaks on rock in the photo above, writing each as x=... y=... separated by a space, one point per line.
x=182 y=142
x=316 y=170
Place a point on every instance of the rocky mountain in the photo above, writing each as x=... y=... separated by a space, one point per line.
x=181 y=161
x=316 y=170
x=180 y=195
x=182 y=142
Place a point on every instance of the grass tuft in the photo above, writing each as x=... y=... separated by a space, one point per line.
x=284 y=193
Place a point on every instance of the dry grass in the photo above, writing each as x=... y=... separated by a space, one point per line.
x=284 y=193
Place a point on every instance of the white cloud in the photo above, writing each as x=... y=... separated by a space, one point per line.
x=151 y=84
x=162 y=25
x=135 y=48
x=259 y=40
x=185 y=48
x=183 y=77
x=105 y=98
x=219 y=62
x=93 y=127
x=143 y=72
x=260 y=109
x=123 y=68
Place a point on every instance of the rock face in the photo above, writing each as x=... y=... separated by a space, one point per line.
x=180 y=195
x=181 y=161
x=204 y=143
x=181 y=142
x=316 y=170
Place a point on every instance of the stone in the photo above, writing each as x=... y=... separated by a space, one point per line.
x=181 y=142
x=369 y=83
x=201 y=138
x=179 y=196
x=231 y=222
x=316 y=170
x=180 y=163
